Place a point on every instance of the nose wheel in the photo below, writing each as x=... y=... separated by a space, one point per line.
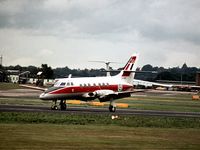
x=63 y=105
x=54 y=105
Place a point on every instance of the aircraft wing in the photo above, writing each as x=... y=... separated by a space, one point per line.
x=150 y=84
x=32 y=87
x=106 y=95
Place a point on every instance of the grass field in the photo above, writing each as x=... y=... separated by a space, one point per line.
x=85 y=131
x=163 y=102
x=98 y=131
x=8 y=86
x=99 y=119
x=54 y=136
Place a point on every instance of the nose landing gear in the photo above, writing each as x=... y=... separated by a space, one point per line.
x=54 y=105
x=63 y=105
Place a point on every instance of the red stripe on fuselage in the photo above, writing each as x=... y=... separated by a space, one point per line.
x=87 y=89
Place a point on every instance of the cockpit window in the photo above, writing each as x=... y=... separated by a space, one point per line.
x=62 y=84
x=56 y=83
x=53 y=88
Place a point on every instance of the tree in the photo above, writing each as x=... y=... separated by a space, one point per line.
x=33 y=70
x=47 y=71
x=184 y=67
x=147 y=68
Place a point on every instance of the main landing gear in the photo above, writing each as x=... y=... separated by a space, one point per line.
x=63 y=105
x=112 y=106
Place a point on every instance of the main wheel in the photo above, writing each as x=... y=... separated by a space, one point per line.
x=63 y=105
x=54 y=107
x=112 y=108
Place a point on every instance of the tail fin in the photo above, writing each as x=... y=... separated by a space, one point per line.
x=128 y=72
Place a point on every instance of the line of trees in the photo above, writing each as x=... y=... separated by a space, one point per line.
x=183 y=73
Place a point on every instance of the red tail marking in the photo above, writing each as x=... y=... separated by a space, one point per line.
x=126 y=68
x=131 y=61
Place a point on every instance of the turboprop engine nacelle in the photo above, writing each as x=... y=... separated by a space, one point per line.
x=98 y=93
x=103 y=93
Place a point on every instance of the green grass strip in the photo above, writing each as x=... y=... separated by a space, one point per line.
x=99 y=119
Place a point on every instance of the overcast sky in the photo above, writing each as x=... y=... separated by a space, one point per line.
x=72 y=32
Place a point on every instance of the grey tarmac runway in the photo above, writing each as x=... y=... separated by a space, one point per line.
x=92 y=110
x=87 y=110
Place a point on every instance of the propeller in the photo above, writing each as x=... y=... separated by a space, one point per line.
x=107 y=65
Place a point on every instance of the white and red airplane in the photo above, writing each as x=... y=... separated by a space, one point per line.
x=107 y=88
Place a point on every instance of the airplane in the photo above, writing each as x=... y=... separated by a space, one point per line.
x=108 y=88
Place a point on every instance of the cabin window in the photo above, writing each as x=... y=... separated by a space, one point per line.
x=62 y=84
x=72 y=83
x=81 y=85
x=107 y=84
x=103 y=84
x=94 y=84
x=68 y=84
x=85 y=84
x=89 y=84
x=99 y=84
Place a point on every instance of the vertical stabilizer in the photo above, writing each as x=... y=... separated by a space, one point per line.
x=129 y=69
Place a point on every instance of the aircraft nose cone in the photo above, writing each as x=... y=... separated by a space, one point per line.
x=42 y=96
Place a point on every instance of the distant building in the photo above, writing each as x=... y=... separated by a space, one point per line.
x=13 y=76
x=46 y=82
x=32 y=81
x=198 y=79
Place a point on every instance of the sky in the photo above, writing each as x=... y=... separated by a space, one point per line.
x=73 y=32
